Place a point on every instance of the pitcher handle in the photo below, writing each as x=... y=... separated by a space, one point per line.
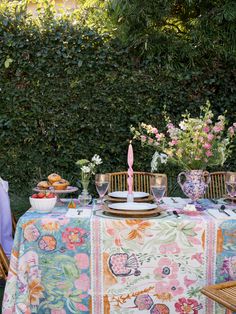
x=179 y=178
x=207 y=177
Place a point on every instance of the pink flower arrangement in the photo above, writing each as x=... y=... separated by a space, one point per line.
x=194 y=144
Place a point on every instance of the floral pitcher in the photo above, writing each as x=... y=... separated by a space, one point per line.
x=195 y=184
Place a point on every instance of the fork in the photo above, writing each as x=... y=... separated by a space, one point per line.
x=174 y=201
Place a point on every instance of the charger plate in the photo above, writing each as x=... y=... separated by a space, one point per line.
x=228 y=198
x=133 y=213
x=148 y=199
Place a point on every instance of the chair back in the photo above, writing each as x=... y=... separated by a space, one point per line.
x=141 y=181
x=4 y=264
x=216 y=187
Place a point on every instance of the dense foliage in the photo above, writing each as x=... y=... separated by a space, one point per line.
x=68 y=91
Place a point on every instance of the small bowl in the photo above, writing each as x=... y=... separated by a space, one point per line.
x=43 y=205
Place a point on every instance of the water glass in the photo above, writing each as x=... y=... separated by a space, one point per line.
x=158 y=187
x=102 y=184
x=230 y=184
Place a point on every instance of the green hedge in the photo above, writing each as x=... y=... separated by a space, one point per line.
x=67 y=92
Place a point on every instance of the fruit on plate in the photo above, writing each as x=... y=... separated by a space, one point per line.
x=60 y=185
x=43 y=195
x=54 y=177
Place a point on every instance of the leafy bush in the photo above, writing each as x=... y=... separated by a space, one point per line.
x=67 y=92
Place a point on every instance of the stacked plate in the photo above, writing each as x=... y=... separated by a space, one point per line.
x=121 y=196
x=121 y=207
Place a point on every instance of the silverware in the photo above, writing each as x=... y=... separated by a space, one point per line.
x=222 y=210
x=174 y=201
x=176 y=214
x=214 y=201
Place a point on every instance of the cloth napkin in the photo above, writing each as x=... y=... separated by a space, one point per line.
x=84 y=213
x=6 y=239
x=219 y=215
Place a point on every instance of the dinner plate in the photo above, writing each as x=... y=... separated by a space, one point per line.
x=130 y=206
x=124 y=194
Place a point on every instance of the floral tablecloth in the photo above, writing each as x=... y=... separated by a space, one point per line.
x=108 y=265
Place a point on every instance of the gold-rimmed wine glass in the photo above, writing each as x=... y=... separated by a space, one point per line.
x=102 y=184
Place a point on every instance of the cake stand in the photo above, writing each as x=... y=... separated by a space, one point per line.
x=70 y=189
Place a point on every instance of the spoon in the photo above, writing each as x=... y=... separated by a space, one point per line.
x=222 y=210
x=176 y=214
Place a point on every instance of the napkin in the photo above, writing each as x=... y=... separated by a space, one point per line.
x=73 y=213
x=219 y=215
x=174 y=202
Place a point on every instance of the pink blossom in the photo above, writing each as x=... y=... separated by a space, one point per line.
x=83 y=282
x=188 y=281
x=210 y=137
x=172 y=286
x=166 y=269
x=206 y=129
x=207 y=146
x=158 y=136
x=231 y=130
x=58 y=311
x=218 y=128
x=81 y=307
x=82 y=260
x=143 y=138
x=174 y=142
x=150 y=140
x=154 y=131
x=197 y=158
x=187 y=306
x=170 y=126
x=209 y=153
x=234 y=125
x=198 y=257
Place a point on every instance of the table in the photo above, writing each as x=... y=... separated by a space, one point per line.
x=96 y=264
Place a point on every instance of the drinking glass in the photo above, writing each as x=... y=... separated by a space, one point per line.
x=102 y=183
x=230 y=184
x=158 y=187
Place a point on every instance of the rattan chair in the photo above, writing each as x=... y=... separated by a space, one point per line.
x=216 y=188
x=141 y=181
x=4 y=264
x=223 y=293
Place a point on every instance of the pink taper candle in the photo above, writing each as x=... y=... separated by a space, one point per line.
x=130 y=160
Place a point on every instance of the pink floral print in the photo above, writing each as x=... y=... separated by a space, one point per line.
x=166 y=269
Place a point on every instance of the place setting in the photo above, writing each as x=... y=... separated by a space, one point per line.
x=131 y=204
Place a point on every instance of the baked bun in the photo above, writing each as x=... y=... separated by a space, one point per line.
x=60 y=185
x=54 y=177
x=43 y=185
